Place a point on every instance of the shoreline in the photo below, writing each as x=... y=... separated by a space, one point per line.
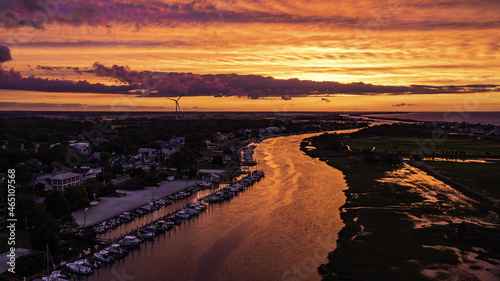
x=113 y=206
x=393 y=233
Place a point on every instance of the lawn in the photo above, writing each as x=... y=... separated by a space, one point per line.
x=471 y=147
x=481 y=176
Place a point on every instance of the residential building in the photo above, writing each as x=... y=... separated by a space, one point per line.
x=59 y=180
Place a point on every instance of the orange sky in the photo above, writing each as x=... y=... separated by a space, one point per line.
x=391 y=42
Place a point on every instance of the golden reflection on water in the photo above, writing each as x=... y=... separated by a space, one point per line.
x=282 y=227
x=454 y=206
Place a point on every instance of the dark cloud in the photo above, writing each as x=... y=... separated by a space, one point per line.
x=4 y=54
x=39 y=105
x=73 y=106
x=404 y=104
x=58 y=68
x=90 y=14
x=13 y=80
x=94 y=12
x=173 y=84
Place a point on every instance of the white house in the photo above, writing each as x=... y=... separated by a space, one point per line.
x=59 y=180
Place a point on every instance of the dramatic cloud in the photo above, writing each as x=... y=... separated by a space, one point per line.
x=71 y=106
x=173 y=84
x=13 y=80
x=4 y=54
x=420 y=14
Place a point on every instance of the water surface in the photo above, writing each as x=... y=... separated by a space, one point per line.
x=282 y=228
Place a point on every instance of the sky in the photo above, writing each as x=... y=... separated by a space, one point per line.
x=231 y=55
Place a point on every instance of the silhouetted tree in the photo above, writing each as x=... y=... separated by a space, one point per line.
x=56 y=204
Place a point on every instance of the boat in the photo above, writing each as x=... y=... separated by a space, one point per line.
x=103 y=256
x=182 y=215
x=145 y=234
x=89 y=263
x=117 y=248
x=79 y=268
x=191 y=212
x=205 y=185
x=57 y=275
x=212 y=198
x=116 y=253
x=52 y=278
x=130 y=241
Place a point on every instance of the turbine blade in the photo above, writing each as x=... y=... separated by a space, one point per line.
x=180 y=96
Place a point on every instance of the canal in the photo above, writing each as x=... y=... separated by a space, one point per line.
x=282 y=228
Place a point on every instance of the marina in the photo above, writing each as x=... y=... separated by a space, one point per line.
x=111 y=249
x=284 y=223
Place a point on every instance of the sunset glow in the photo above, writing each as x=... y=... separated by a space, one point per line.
x=392 y=43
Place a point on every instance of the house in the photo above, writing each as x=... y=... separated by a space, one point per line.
x=88 y=171
x=220 y=136
x=177 y=141
x=495 y=131
x=148 y=155
x=167 y=151
x=81 y=146
x=226 y=159
x=59 y=180
x=127 y=162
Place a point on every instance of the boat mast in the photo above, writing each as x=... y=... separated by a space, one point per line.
x=48 y=272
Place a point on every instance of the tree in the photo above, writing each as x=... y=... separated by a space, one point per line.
x=23 y=174
x=217 y=160
x=44 y=231
x=39 y=187
x=92 y=187
x=108 y=189
x=77 y=197
x=57 y=204
x=31 y=263
x=68 y=224
x=151 y=178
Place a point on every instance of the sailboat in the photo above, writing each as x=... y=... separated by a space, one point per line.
x=56 y=275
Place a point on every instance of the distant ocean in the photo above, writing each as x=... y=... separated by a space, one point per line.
x=468 y=117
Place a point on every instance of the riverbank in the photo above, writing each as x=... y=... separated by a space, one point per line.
x=405 y=224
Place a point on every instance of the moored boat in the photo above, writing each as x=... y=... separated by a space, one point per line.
x=79 y=268
x=103 y=256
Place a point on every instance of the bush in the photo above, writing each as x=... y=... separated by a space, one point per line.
x=57 y=204
x=77 y=197
x=31 y=263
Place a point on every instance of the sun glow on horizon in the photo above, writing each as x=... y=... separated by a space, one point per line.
x=390 y=43
x=27 y=100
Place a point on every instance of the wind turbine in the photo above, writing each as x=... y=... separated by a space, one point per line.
x=177 y=107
